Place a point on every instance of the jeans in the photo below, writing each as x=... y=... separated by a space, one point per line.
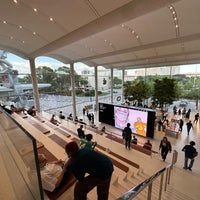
x=186 y=162
x=82 y=188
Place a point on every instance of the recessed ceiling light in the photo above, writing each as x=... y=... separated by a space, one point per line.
x=51 y=19
x=4 y=22
x=23 y=41
x=176 y=25
x=20 y=27
x=15 y=1
x=34 y=33
x=35 y=9
x=11 y=37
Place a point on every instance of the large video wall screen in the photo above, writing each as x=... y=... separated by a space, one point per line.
x=141 y=120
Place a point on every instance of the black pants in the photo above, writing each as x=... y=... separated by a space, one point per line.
x=128 y=143
x=82 y=188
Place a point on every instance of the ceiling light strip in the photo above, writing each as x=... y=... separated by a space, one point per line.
x=175 y=20
x=37 y=11
x=133 y=32
x=23 y=29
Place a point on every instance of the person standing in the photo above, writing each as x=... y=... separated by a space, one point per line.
x=80 y=132
x=98 y=167
x=190 y=153
x=196 y=118
x=127 y=135
x=189 y=126
x=165 y=147
x=181 y=125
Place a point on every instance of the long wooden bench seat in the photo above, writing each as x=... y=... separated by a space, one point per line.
x=134 y=146
x=95 y=130
x=62 y=143
x=115 y=162
x=58 y=140
x=57 y=129
x=21 y=114
x=38 y=125
x=65 y=184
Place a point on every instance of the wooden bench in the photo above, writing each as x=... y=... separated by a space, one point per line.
x=21 y=114
x=58 y=140
x=134 y=146
x=38 y=125
x=57 y=129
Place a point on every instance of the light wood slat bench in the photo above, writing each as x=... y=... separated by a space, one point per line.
x=58 y=140
x=119 y=157
x=57 y=129
x=21 y=114
x=95 y=130
x=62 y=143
x=115 y=162
x=134 y=146
x=68 y=130
x=38 y=125
x=65 y=184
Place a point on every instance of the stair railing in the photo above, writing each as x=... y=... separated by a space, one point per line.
x=129 y=195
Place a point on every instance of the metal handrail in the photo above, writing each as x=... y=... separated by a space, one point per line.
x=148 y=182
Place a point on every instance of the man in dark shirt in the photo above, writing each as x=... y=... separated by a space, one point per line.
x=127 y=135
x=190 y=153
x=98 y=167
x=80 y=132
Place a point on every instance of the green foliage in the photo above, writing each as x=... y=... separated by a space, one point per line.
x=165 y=91
x=136 y=90
x=117 y=81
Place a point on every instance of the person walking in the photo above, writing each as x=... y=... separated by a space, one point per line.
x=190 y=153
x=165 y=147
x=181 y=125
x=196 y=118
x=127 y=135
x=189 y=126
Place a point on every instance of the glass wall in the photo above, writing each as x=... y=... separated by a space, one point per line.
x=18 y=153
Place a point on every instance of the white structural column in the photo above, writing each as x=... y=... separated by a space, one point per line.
x=96 y=88
x=111 y=84
x=170 y=73
x=35 y=84
x=123 y=72
x=73 y=89
x=145 y=74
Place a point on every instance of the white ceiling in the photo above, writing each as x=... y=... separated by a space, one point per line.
x=112 y=33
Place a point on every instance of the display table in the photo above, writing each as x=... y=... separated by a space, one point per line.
x=171 y=133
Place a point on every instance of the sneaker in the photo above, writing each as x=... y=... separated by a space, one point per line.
x=189 y=168
x=184 y=168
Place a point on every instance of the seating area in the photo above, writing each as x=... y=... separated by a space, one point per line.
x=62 y=134
x=129 y=171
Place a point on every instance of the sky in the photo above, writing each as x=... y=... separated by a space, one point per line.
x=23 y=66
